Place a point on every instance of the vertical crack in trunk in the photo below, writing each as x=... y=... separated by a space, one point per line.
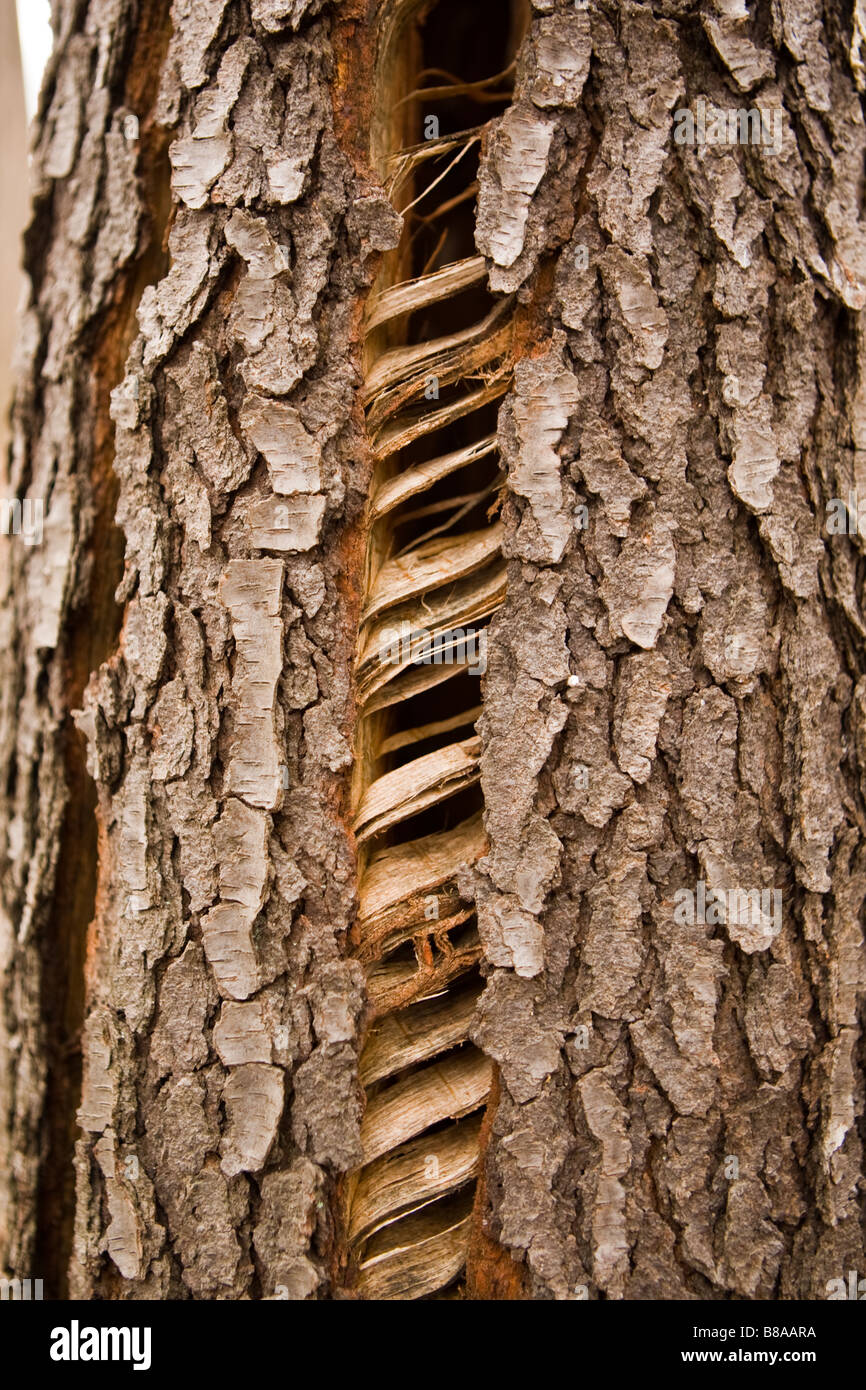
x=438 y=350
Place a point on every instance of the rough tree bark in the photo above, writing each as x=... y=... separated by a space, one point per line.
x=676 y=684
x=13 y=213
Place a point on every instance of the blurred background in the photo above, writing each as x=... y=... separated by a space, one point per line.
x=25 y=43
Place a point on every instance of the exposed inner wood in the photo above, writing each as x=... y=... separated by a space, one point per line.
x=419 y=479
x=402 y=1039
x=414 y=294
x=404 y=1180
x=460 y=606
x=438 y=359
x=415 y=1257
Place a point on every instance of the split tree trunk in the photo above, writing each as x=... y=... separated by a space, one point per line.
x=675 y=695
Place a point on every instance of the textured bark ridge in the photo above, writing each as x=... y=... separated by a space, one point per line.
x=94 y=242
x=673 y=703
x=218 y=724
x=434 y=574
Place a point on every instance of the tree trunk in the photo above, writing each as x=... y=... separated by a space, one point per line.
x=12 y=219
x=13 y=213
x=312 y=990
